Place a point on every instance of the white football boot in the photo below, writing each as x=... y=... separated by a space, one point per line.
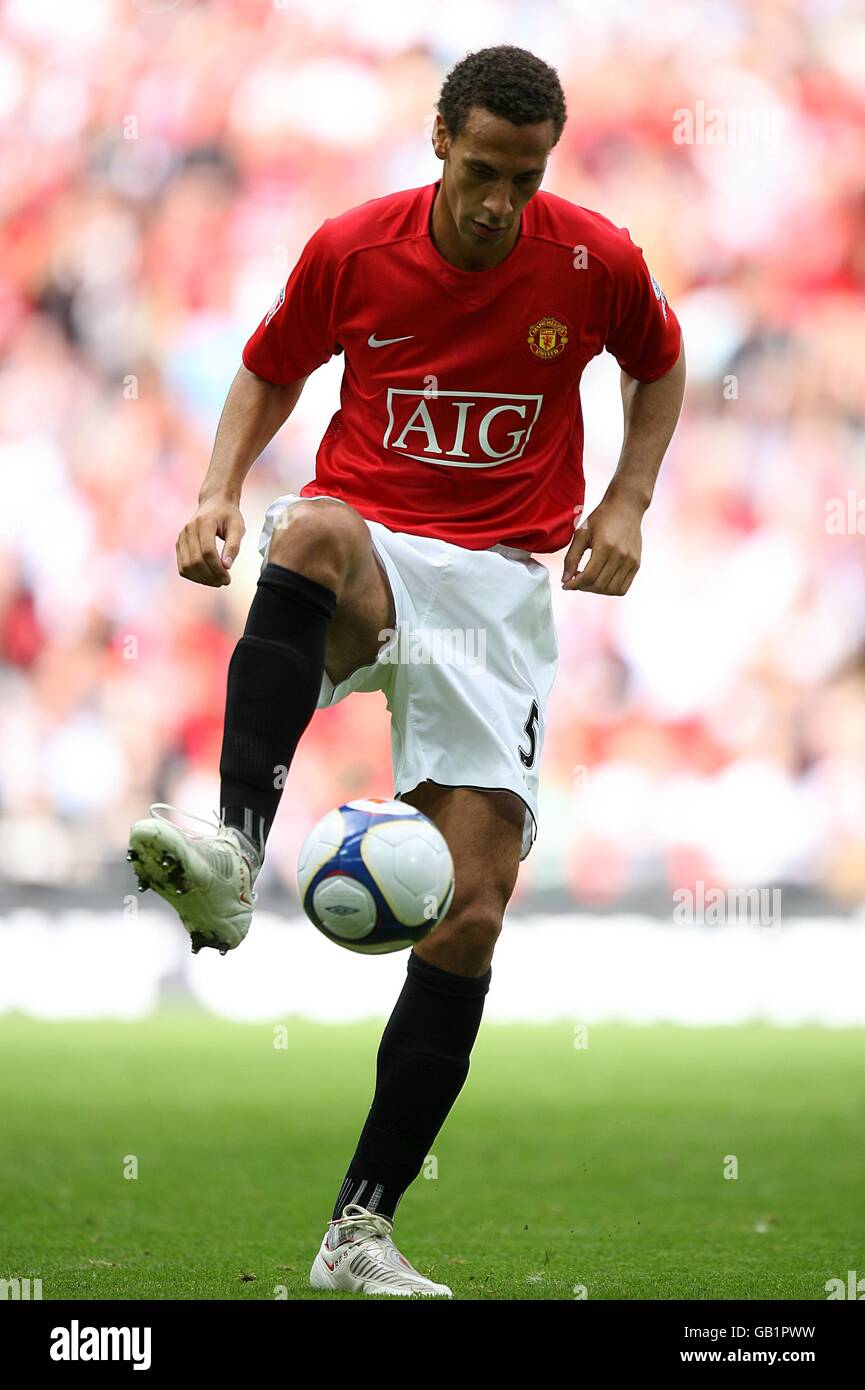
x=358 y=1255
x=207 y=879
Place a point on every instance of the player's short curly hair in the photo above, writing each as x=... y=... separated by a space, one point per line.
x=508 y=82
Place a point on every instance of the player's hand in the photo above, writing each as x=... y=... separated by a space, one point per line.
x=198 y=558
x=612 y=534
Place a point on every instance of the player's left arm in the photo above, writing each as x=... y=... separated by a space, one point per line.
x=612 y=532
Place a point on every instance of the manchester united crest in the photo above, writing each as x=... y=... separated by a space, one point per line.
x=548 y=338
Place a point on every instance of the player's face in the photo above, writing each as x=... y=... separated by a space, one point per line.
x=491 y=170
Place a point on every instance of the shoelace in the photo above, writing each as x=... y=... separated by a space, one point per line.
x=159 y=806
x=366 y=1221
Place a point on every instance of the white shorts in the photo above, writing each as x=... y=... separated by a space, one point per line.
x=468 y=668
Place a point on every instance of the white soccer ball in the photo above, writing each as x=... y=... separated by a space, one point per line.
x=375 y=876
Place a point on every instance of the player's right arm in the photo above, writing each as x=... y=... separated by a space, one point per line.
x=253 y=412
x=296 y=336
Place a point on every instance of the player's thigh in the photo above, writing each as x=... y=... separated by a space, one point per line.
x=364 y=619
x=330 y=542
x=484 y=832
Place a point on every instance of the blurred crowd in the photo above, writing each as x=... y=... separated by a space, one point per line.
x=162 y=166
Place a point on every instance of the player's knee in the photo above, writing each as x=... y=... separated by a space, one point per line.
x=480 y=930
x=324 y=539
x=464 y=942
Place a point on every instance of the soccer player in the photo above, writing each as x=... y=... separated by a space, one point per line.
x=466 y=311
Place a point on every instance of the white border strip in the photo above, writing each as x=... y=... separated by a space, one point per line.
x=88 y=965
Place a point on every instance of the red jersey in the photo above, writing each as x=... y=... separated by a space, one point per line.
x=460 y=411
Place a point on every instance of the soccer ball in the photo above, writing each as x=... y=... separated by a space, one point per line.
x=375 y=876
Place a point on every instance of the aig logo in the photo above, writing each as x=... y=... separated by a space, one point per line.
x=460 y=429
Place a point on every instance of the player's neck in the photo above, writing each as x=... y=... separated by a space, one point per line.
x=453 y=249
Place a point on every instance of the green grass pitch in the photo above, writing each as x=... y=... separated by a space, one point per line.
x=561 y=1167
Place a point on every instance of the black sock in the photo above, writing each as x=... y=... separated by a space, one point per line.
x=274 y=678
x=423 y=1061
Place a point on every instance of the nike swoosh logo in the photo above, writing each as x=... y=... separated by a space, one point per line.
x=374 y=342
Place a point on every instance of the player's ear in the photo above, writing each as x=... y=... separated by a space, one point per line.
x=440 y=138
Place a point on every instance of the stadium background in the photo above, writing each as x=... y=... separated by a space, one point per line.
x=162 y=166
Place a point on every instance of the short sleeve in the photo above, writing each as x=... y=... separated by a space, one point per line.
x=297 y=334
x=644 y=334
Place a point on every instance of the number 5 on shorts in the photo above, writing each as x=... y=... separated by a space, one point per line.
x=531 y=728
